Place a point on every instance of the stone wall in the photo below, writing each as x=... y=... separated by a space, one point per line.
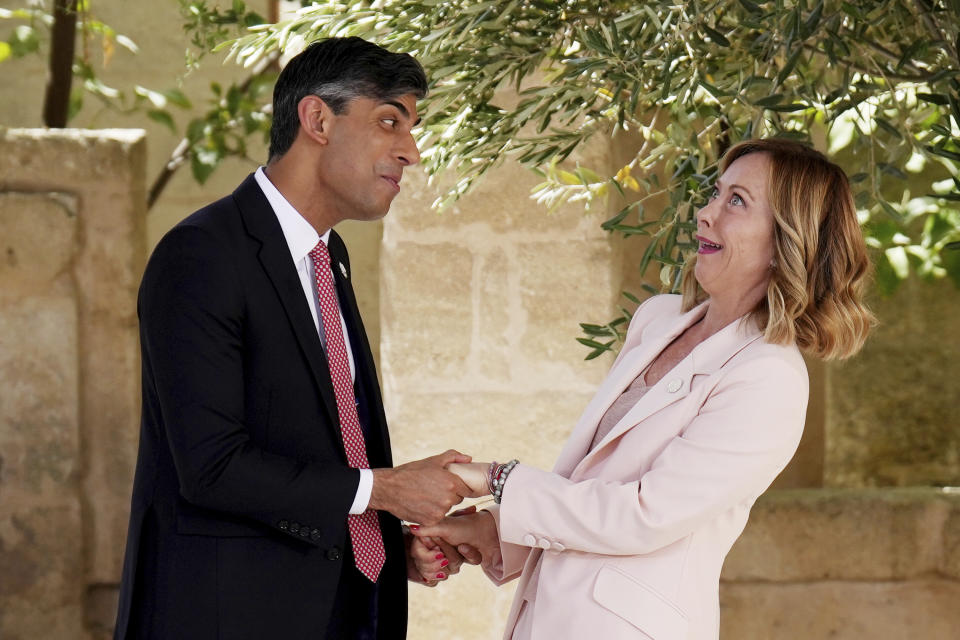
x=846 y=564
x=73 y=242
x=892 y=410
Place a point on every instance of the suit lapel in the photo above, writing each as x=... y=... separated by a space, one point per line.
x=274 y=256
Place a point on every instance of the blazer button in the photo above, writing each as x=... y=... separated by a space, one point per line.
x=543 y=543
x=305 y=531
x=529 y=540
x=556 y=546
x=315 y=535
x=283 y=525
x=294 y=528
x=333 y=553
x=674 y=385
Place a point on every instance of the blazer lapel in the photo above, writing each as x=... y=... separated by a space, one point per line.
x=706 y=358
x=274 y=256
x=656 y=338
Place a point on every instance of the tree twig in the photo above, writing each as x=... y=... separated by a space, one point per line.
x=181 y=153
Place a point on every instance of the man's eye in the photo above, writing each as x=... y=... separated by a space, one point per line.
x=390 y=121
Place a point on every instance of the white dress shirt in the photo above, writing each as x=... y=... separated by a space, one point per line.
x=301 y=238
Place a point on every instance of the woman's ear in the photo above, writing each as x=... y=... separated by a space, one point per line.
x=315 y=118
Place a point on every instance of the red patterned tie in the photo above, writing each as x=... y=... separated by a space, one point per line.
x=368 y=551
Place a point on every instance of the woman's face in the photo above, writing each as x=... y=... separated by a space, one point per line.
x=735 y=232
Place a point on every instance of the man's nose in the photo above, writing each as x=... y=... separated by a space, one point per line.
x=407 y=152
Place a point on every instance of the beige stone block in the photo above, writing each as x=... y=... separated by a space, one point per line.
x=841 y=610
x=104 y=173
x=467 y=606
x=844 y=534
x=486 y=425
x=951 y=540
x=562 y=284
x=497 y=334
x=74 y=159
x=427 y=313
x=499 y=203
x=37 y=240
x=41 y=531
x=892 y=410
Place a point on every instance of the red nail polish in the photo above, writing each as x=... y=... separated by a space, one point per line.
x=414 y=527
x=439 y=556
x=444 y=563
x=441 y=576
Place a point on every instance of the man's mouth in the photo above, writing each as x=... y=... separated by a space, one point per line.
x=708 y=246
x=393 y=180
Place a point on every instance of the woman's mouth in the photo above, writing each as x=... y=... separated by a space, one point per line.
x=708 y=246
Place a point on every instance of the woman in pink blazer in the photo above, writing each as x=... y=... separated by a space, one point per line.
x=704 y=406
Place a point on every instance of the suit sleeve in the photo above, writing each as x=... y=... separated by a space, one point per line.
x=192 y=331
x=744 y=434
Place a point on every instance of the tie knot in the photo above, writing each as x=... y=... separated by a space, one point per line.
x=320 y=254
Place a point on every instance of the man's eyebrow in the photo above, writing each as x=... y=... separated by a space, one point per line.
x=402 y=109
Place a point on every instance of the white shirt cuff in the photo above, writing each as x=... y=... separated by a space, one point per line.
x=364 y=489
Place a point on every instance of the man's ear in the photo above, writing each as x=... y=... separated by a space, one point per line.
x=316 y=117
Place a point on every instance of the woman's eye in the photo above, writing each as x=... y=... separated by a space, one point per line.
x=736 y=200
x=714 y=193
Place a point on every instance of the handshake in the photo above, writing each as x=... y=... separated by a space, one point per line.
x=423 y=492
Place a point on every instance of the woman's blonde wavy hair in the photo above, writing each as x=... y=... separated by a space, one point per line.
x=815 y=295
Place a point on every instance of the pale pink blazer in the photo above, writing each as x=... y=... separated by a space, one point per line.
x=633 y=533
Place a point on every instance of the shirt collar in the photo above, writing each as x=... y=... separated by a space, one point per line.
x=300 y=235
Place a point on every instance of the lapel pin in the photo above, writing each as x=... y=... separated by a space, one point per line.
x=343 y=270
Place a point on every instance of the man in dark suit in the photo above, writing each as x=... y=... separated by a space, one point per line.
x=265 y=504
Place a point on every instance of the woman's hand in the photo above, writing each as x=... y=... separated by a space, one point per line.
x=426 y=562
x=477 y=530
x=474 y=475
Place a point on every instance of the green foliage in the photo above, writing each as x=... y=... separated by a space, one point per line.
x=30 y=35
x=878 y=81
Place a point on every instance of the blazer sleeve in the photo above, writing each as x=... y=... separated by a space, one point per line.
x=744 y=434
x=191 y=311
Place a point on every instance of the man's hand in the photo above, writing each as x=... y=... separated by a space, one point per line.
x=420 y=491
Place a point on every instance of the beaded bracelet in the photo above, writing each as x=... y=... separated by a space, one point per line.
x=499 y=476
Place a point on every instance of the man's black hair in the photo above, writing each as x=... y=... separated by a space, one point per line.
x=339 y=70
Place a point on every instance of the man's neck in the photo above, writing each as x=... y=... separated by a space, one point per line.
x=295 y=179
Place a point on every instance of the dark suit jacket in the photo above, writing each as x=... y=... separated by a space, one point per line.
x=238 y=518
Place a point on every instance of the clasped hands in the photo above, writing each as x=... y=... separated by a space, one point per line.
x=423 y=492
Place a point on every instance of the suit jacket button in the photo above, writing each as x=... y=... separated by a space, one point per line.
x=294 y=528
x=674 y=385
x=315 y=535
x=305 y=531
x=333 y=553
x=284 y=525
